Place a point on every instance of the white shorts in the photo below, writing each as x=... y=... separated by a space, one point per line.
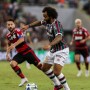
x=58 y=57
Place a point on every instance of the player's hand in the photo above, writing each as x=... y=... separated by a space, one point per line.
x=71 y=43
x=24 y=27
x=39 y=66
x=8 y=58
x=82 y=41
x=46 y=47
x=11 y=47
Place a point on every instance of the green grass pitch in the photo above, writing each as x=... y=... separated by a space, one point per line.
x=9 y=80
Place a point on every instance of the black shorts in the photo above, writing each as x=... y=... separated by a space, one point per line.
x=30 y=57
x=84 y=52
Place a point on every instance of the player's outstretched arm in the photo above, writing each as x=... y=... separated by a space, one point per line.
x=36 y=23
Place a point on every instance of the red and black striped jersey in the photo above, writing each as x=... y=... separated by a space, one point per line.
x=14 y=37
x=78 y=35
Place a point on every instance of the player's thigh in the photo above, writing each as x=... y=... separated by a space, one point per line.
x=57 y=69
x=13 y=63
x=85 y=53
x=32 y=58
x=46 y=67
x=18 y=58
x=77 y=57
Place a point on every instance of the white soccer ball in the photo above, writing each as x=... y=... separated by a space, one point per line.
x=31 y=86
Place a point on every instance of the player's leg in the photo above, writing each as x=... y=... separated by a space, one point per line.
x=32 y=58
x=46 y=68
x=48 y=62
x=28 y=65
x=59 y=62
x=87 y=67
x=77 y=61
x=14 y=64
x=85 y=54
x=60 y=76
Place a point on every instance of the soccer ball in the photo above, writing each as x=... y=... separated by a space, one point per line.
x=30 y=86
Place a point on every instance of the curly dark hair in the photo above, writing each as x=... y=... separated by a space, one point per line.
x=11 y=19
x=51 y=12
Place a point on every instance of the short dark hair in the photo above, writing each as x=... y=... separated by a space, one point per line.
x=51 y=12
x=11 y=19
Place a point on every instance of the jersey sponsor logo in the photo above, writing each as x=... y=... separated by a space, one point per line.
x=78 y=32
x=13 y=37
x=78 y=37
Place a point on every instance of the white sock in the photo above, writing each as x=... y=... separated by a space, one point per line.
x=63 y=81
x=51 y=75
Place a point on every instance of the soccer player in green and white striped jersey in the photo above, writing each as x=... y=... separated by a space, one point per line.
x=58 y=49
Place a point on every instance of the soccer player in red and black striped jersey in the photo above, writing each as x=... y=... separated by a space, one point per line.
x=78 y=40
x=59 y=50
x=16 y=40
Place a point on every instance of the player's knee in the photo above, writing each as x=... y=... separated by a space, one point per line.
x=13 y=63
x=44 y=69
x=56 y=72
x=39 y=66
x=77 y=59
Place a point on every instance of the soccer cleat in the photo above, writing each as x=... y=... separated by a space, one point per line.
x=58 y=87
x=23 y=81
x=86 y=73
x=79 y=73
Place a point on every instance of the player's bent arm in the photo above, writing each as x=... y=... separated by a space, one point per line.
x=71 y=43
x=86 y=39
x=7 y=54
x=16 y=43
x=57 y=39
x=7 y=45
x=19 y=41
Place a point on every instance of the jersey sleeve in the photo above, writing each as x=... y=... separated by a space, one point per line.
x=86 y=33
x=58 y=29
x=19 y=33
x=43 y=22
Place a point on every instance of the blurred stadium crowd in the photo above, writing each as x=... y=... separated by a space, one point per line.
x=13 y=9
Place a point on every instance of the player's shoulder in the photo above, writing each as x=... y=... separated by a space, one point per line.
x=84 y=29
x=8 y=34
x=74 y=29
x=17 y=29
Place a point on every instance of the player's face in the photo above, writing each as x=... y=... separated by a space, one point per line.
x=78 y=24
x=46 y=17
x=10 y=25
